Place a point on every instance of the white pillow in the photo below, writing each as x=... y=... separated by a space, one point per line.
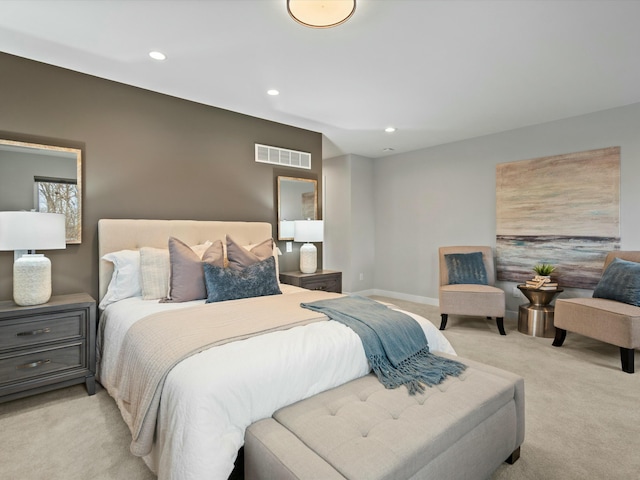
x=154 y=269
x=201 y=248
x=125 y=281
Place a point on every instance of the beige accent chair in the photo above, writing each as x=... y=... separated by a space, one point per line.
x=467 y=299
x=609 y=321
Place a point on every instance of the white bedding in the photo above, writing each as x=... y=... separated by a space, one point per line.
x=210 y=398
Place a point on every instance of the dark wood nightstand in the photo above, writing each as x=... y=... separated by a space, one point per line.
x=48 y=346
x=327 y=280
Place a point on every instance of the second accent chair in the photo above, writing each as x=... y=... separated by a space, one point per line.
x=612 y=315
x=467 y=278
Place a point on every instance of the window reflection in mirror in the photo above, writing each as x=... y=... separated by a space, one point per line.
x=44 y=178
x=297 y=200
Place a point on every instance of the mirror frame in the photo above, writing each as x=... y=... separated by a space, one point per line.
x=56 y=148
x=315 y=201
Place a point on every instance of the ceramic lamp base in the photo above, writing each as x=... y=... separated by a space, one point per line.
x=308 y=258
x=31 y=280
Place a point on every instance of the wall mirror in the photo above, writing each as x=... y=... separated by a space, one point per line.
x=297 y=200
x=44 y=178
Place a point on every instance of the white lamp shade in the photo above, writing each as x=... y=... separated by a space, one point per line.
x=32 y=231
x=308 y=231
x=286 y=228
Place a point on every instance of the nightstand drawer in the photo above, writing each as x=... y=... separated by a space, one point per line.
x=41 y=329
x=39 y=362
x=329 y=284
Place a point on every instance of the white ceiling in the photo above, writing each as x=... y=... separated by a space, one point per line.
x=439 y=71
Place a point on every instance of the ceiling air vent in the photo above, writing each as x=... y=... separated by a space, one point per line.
x=282 y=156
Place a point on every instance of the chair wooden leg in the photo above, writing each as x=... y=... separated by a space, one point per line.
x=500 y=322
x=561 y=334
x=443 y=321
x=626 y=355
x=515 y=455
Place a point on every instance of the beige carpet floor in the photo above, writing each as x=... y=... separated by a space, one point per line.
x=582 y=414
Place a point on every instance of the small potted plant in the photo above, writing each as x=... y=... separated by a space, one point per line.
x=544 y=269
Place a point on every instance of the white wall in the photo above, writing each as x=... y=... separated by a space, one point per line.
x=337 y=214
x=349 y=244
x=363 y=246
x=445 y=195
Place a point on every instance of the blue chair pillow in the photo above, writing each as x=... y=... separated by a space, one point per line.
x=466 y=268
x=620 y=282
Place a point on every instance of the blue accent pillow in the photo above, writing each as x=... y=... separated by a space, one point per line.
x=256 y=280
x=621 y=282
x=466 y=268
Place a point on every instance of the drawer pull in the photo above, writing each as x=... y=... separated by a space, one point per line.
x=33 y=364
x=34 y=332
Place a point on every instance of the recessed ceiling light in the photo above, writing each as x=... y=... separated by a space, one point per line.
x=273 y=92
x=157 y=55
x=388 y=149
x=390 y=129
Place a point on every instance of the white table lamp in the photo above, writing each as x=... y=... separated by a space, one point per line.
x=308 y=231
x=25 y=232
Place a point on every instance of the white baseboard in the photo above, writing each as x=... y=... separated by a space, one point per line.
x=398 y=295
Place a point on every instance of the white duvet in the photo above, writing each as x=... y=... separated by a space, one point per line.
x=210 y=398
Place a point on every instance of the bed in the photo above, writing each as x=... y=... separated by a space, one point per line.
x=201 y=408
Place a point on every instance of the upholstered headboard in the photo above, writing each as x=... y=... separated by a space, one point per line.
x=120 y=234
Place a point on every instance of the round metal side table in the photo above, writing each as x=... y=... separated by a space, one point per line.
x=536 y=317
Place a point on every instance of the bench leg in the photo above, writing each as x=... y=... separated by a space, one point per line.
x=561 y=334
x=443 y=322
x=626 y=355
x=515 y=455
x=500 y=322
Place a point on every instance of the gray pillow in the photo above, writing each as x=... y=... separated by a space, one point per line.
x=240 y=258
x=186 y=281
x=620 y=282
x=256 y=280
x=466 y=268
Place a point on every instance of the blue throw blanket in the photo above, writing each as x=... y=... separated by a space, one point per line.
x=394 y=343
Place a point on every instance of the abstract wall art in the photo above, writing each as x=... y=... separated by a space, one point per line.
x=563 y=210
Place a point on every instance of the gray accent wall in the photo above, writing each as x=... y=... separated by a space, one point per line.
x=146 y=155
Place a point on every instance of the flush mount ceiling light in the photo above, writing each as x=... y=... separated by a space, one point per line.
x=273 y=92
x=390 y=129
x=321 y=13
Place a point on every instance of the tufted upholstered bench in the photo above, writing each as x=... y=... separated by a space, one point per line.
x=463 y=428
